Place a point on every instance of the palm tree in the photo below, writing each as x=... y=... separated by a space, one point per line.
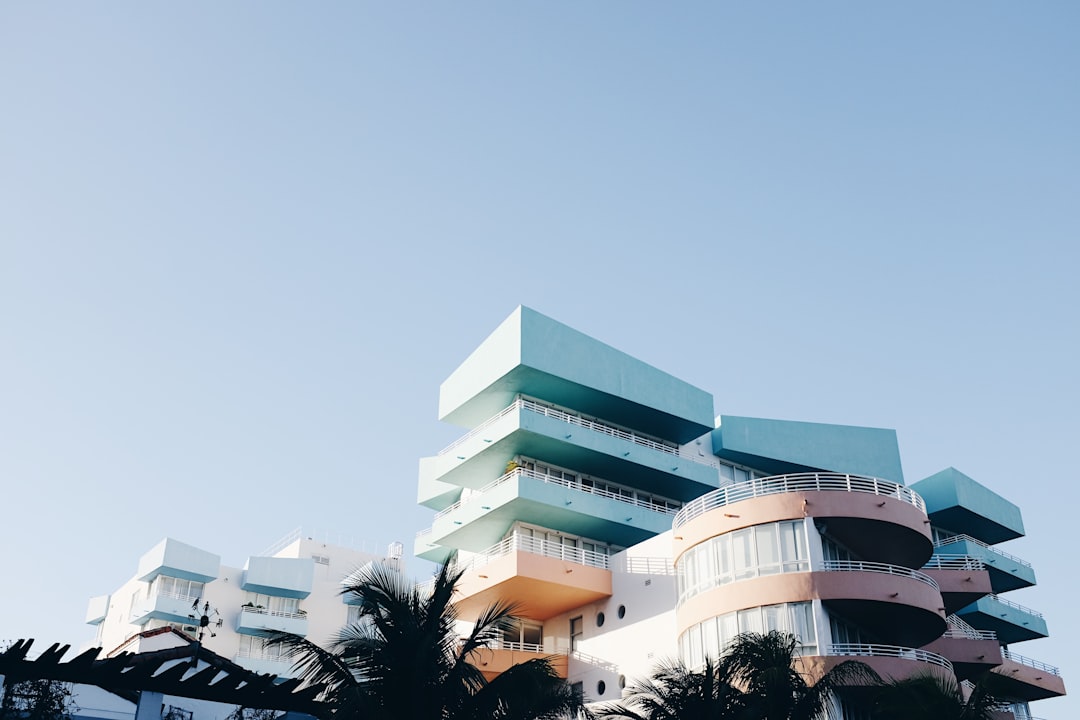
x=764 y=667
x=933 y=697
x=403 y=659
x=675 y=692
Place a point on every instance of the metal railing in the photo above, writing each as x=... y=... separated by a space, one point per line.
x=798 y=482
x=536 y=546
x=171 y=594
x=643 y=565
x=260 y=655
x=273 y=613
x=975 y=541
x=570 y=484
x=518 y=646
x=957 y=628
x=1038 y=665
x=895 y=651
x=572 y=419
x=954 y=562
x=324 y=536
x=876 y=567
x=1015 y=606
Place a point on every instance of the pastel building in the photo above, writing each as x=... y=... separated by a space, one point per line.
x=293 y=586
x=632 y=525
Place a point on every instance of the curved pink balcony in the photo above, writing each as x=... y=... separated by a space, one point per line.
x=878 y=520
x=888 y=661
x=895 y=603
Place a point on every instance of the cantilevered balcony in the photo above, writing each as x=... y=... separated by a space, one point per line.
x=559 y=504
x=962 y=579
x=1028 y=679
x=265 y=663
x=562 y=438
x=500 y=656
x=879 y=520
x=972 y=652
x=546 y=578
x=889 y=661
x=1011 y=621
x=1007 y=572
x=172 y=607
x=256 y=620
x=956 y=501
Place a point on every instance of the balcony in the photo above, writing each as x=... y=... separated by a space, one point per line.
x=179 y=560
x=97 y=609
x=281 y=577
x=253 y=621
x=566 y=439
x=164 y=606
x=878 y=520
x=562 y=505
x=1007 y=572
x=1030 y=679
x=1011 y=621
x=545 y=578
x=501 y=656
x=956 y=501
x=889 y=661
x=972 y=652
x=265 y=663
x=962 y=579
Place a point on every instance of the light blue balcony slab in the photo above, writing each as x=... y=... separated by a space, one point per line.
x=959 y=503
x=550 y=436
x=97 y=609
x=1012 y=622
x=179 y=560
x=779 y=447
x=425 y=549
x=484 y=519
x=267 y=665
x=533 y=355
x=161 y=606
x=1007 y=572
x=253 y=621
x=283 y=577
x=432 y=493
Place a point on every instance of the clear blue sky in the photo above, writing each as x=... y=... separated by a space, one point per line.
x=241 y=244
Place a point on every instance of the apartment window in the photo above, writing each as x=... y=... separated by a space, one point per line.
x=576 y=629
x=524 y=634
x=272 y=604
x=176 y=587
x=713 y=635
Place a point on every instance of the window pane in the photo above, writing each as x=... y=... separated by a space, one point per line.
x=742 y=551
x=768 y=553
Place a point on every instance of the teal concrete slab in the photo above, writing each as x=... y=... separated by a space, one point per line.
x=784 y=446
x=1006 y=572
x=1012 y=624
x=173 y=558
x=534 y=355
x=962 y=505
x=281 y=577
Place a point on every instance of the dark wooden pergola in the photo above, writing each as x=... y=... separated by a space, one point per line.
x=201 y=675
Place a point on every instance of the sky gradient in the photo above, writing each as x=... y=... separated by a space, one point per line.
x=242 y=244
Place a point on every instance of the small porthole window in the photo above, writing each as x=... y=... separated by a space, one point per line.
x=622 y=682
x=600 y=620
x=601 y=687
x=622 y=611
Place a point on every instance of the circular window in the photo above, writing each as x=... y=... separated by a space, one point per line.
x=601 y=687
x=600 y=620
x=622 y=682
x=622 y=611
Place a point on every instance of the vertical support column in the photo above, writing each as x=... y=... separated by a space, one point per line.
x=149 y=707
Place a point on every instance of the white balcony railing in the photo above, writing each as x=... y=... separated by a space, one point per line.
x=957 y=628
x=536 y=546
x=798 y=482
x=261 y=655
x=571 y=484
x=1010 y=655
x=882 y=568
x=273 y=613
x=572 y=419
x=517 y=646
x=975 y=541
x=954 y=562
x=894 y=651
x=1015 y=606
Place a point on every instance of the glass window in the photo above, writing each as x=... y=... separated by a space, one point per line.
x=768 y=551
x=576 y=627
x=743 y=553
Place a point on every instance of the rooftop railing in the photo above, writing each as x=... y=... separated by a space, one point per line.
x=975 y=541
x=570 y=484
x=536 y=546
x=1016 y=606
x=798 y=482
x=894 y=651
x=883 y=568
x=1010 y=655
x=954 y=562
x=572 y=419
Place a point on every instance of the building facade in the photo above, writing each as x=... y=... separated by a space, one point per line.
x=293 y=586
x=631 y=526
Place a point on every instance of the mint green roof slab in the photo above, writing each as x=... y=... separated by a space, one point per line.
x=534 y=355
x=958 y=503
x=787 y=446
